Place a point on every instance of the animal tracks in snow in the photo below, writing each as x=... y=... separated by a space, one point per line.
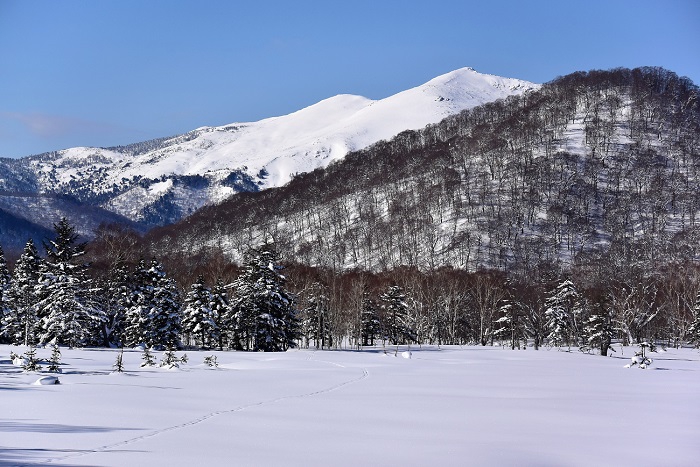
x=210 y=415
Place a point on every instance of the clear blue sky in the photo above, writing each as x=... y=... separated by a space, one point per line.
x=103 y=73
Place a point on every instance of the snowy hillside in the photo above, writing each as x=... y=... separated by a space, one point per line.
x=178 y=175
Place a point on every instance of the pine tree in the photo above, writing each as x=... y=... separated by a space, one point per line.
x=563 y=312
x=21 y=322
x=153 y=317
x=31 y=363
x=165 y=317
x=510 y=325
x=262 y=310
x=67 y=313
x=599 y=330
x=397 y=319
x=170 y=359
x=694 y=330
x=115 y=299
x=119 y=363
x=55 y=360
x=220 y=307
x=370 y=320
x=316 y=320
x=147 y=358
x=198 y=319
x=5 y=281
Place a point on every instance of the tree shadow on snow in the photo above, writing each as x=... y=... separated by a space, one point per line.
x=28 y=426
x=14 y=456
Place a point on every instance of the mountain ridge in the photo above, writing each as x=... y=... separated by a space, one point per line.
x=160 y=181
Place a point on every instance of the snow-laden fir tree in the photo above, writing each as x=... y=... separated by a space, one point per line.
x=694 y=329
x=31 y=362
x=262 y=310
x=599 y=330
x=115 y=299
x=198 y=317
x=563 y=311
x=21 y=323
x=220 y=307
x=66 y=310
x=316 y=319
x=397 y=318
x=153 y=316
x=55 y=360
x=510 y=326
x=371 y=326
x=137 y=306
x=119 y=362
x=147 y=358
x=5 y=281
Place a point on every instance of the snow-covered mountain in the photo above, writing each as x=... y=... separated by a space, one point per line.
x=160 y=181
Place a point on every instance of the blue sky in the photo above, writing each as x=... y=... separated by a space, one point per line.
x=104 y=73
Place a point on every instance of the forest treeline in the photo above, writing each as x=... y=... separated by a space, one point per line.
x=104 y=294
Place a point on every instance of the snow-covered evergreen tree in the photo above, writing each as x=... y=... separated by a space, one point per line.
x=261 y=308
x=147 y=358
x=31 y=362
x=600 y=330
x=510 y=326
x=5 y=281
x=371 y=327
x=66 y=310
x=397 y=319
x=55 y=361
x=198 y=317
x=316 y=320
x=115 y=299
x=21 y=323
x=220 y=307
x=153 y=317
x=119 y=362
x=563 y=312
x=694 y=329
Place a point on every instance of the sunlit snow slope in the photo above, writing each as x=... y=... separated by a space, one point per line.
x=266 y=153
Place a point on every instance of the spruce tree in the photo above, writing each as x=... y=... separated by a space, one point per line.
x=694 y=330
x=600 y=330
x=67 y=313
x=371 y=327
x=397 y=319
x=5 y=281
x=511 y=324
x=198 y=317
x=262 y=309
x=220 y=307
x=21 y=322
x=153 y=316
x=316 y=321
x=31 y=363
x=119 y=363
x=147 y=358
x=115 y=300
x=563 y=312
x=55 y=361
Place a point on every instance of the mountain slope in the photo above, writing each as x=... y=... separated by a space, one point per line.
x=161 y=181
x=598 y=164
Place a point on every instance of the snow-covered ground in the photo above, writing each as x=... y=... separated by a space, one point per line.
x=442 y=406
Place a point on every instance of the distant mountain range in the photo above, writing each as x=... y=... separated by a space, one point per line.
x=160 y=181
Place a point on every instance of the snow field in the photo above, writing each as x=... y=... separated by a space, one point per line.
x=443 y=406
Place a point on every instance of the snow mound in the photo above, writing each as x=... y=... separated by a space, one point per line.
x=47 y=380
x=406 y=354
